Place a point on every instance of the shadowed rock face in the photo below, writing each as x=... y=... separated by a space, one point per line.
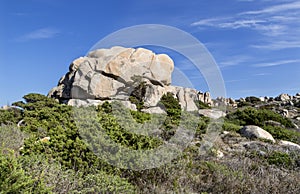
x=113 y=74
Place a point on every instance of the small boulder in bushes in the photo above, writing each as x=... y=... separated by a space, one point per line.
x=255 y=132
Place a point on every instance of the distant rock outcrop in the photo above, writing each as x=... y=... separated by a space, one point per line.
x=117 y=73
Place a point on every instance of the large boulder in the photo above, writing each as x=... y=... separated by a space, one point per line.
x=117 y=73
x=102 y=72
x=252 y=131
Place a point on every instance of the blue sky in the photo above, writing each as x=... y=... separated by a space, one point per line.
x=256 y=43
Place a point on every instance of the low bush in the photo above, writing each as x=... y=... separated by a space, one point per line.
x=227 y=126
x=137 y=95
x=10 y=116
x=252 y=116
x=14 y=179
x=252 y=99
x=283 y=134
x=280 y=159
x=173 y=109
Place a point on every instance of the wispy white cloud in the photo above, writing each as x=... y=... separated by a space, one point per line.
x=277 y=63
x=241 y=24
x=262 y=74
x=210 y=21
x=275 y=9
x=43 y=33
x=278 y=45
x=235 y=60
x=278 y=24
x=228 y=22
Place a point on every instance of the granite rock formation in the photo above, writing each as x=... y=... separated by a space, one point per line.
x=117 y=73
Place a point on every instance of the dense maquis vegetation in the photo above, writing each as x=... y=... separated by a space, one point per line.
x=67 y=163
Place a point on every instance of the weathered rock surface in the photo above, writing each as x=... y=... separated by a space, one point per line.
x=221 y=101
x=212 y=113
x=90 y=102
x=116 y=73
x=283 y=97
x=252 y=131
x=289 y=144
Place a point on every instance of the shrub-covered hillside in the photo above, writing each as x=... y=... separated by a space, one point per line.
x=43 y=150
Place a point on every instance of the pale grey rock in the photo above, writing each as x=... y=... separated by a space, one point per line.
x=153 y=94
x=222 y=101
x=288 y=144
x=205 y=97
x=187 y=98
x=84 y=102
x=91 y=102
x=154 y=110
x=226 y=132
x=113 y=74
x=285 y=113
x=219 y=154
x=5 y=107
x=106 y=53
x=283 y=97
x=103 y=72
x=141 y=62
x=212 y=113
x=252 y=131
x=263 y=99
x=273 y=123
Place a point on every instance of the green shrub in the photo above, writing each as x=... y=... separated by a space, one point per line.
x=105 y=183
x=140 y=117
x=252 y=99
x=243 y=104
x=280 y=159
x=10 y=116
x=13 y=178
x=202 y=105
x=62 y=180
x=131 y=121
x=201 y=126
x=227 y=126
x=137 y=95
x=283 y=134
x=173 y=110
x=252 y=116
